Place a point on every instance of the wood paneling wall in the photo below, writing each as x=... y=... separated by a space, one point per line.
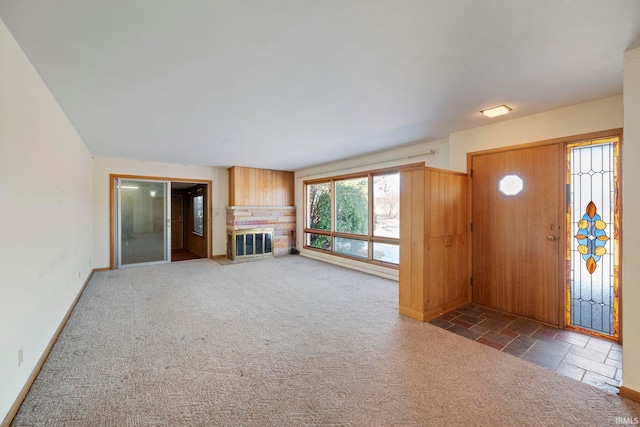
x=433 y=237
x=260 y=187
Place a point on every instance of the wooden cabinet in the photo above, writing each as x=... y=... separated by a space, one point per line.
x=433 y=242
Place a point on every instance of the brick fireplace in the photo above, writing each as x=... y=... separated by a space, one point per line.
x=280 y=220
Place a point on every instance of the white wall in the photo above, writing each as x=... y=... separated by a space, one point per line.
x=104 y=166
x=631 y=223
x=602 y=114
x=384 y=159
x=45 y=220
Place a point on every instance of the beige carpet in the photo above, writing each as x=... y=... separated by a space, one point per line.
x=284 y=342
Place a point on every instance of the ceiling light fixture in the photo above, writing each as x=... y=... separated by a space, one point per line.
x=496 y=111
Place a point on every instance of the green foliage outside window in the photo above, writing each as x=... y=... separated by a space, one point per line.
x=352 y=206
x=319 y=199
x=346 y=220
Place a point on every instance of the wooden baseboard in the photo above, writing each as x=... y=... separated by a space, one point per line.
x=36 y=370
x=214 y=257
x=414 y=314
x=630 y=394
x=99 y=269
x=432 y=314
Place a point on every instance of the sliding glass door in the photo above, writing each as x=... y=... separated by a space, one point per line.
x=143 y=219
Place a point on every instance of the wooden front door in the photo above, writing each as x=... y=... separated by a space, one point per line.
x=517 y=231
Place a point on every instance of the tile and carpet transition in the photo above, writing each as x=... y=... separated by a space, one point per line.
x=592 y=360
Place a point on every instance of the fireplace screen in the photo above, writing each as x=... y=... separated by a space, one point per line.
x=249 y=243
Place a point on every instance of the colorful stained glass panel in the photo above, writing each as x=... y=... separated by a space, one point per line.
x=591 y=191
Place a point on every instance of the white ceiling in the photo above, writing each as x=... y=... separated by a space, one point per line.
x=285 y=84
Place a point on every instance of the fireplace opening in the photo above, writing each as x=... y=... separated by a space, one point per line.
x=250 y=243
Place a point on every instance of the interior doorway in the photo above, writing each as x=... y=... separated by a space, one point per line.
x=189 y=221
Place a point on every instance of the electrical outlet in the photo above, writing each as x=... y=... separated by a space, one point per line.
x=20 y=357
x=78 y=274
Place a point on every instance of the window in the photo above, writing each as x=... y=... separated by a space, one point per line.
x=356 y=216
x=198 y=215
x=352 y=206
x=593 y=218
x=353 y=247
x=510 y=185
x=319 y=215
x=386 y=252
x=386 y=205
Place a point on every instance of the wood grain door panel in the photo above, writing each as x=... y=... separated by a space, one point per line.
x=516 y=239
x=447 y=281
x=177 y=222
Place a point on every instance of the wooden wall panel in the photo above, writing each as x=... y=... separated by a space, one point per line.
x=406 y=189
x=260 y=187
x=437 y=277
x=268 y=183
x=447 y=282
x=456 y=290
x=232 y=185
x=289 y=196
x=449 y=213
x=423 y=235
x=411 y=297
x=247 y=188
x=438 y=217
x=433 y=250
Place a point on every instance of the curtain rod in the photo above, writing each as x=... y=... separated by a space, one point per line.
x=371 y=163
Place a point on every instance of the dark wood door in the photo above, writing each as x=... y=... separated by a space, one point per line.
x=516 y=255
x=177 y=222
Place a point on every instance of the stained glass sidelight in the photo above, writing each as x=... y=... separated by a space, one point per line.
x=592 y=237
x=592 y=213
